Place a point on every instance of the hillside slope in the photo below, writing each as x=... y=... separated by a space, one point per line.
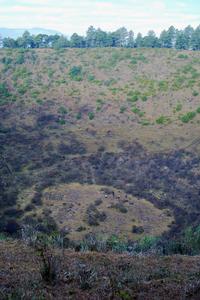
x=122 y=123
x=90 y=275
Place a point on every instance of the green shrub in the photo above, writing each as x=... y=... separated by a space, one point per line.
x=190 y=83
x=3 y=237
x=20 y=59
x=183 y=56
x=116 y=244
x=122 y=109
x=91 y=77
x=147 y=243
x=145 y=122
x=91 y=115
x=142 y=58
x=178 y=107
x=50 y=73
x=35 y=94
x=191 y=240
x=6 y=60
x=100 y=103
x=198 y=110
x=162 y=120
x=178 y=82
x=22 y=89
x=195 y=93
x=61 y=121
x=137 y=111
x=39 y=101
x=21 y=72
x=188 y=116
x=144 y=98
x=133 y=61
x=62 y=110
x=163 y=85
x=78 y=116
x=75 y=73
x=133 y=96
x=4 y=92
x=124 y=295
x=120 y=207
x=188 y=69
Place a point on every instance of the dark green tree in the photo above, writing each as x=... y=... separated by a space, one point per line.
x=130 y=39
x=168 y=38
x=181 y=40
x=150 y=41
x=139 y=40
x=188 y=32
x=77 y=41
x=41 y=41
x=9 y=43
x=26 y=41
x=61 y=42
x=120 y=37
x=195 y=39
x=91 y=37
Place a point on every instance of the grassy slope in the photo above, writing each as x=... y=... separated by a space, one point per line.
x=90 y=275
x=56 y=127
x=124 y=88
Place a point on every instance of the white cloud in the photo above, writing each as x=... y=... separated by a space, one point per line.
x=68 y=16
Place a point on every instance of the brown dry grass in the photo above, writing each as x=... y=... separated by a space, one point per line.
x=150 y=277
x=68 y=205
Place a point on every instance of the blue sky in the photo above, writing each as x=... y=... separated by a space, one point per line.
x=76 y=16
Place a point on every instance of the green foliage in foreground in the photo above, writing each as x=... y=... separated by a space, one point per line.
x=187 y=244
x=4 y=93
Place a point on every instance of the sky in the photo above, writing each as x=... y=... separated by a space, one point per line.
x=69 y=16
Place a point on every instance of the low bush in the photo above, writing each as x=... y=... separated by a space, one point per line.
x=12 y=227
x=122 y=109
x=137 y=229
x=62 y=110
x=188 y=116
x=4 y=92
x=198 y=110
x=91 y=77
x=120 y=207
x=20 y=59
x=178 y=107
x=137 y=111
x=94 y=216
x=183 y=56
x=75 y=73
x=91 y=115
x=78 y=116
x=195 y=93
x=98 y=202
x=162 y=120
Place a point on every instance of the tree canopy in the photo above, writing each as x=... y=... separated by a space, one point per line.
x=187 y=39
